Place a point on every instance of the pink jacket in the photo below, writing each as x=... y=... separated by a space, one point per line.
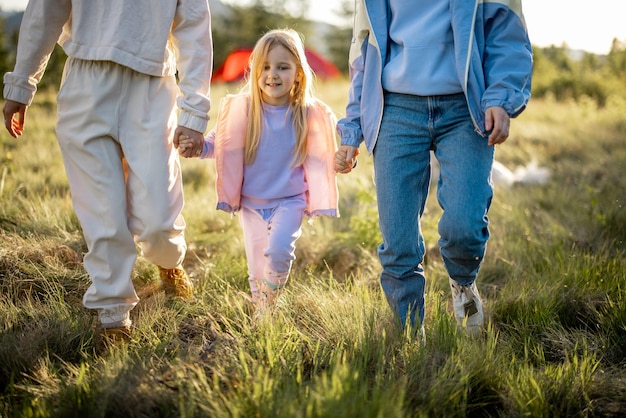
x=319 y=168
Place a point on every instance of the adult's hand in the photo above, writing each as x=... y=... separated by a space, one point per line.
x=498 y=122
x=196 y=137
x=15 y=126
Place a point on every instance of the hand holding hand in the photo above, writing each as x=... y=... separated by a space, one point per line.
x=345 y=158
x=188 y=142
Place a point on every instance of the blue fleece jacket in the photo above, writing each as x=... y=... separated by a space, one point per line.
x=492 y=54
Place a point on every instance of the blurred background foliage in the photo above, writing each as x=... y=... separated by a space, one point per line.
x=561 y=73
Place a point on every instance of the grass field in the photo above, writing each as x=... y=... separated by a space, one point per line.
x=553 y=282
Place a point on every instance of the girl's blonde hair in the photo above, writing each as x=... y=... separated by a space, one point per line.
x=299 y=98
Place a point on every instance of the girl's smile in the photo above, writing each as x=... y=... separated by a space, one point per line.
x=278 y=76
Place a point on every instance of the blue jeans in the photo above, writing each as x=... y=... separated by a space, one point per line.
x=411 y=126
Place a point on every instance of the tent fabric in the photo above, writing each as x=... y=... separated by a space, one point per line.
x=235 y=65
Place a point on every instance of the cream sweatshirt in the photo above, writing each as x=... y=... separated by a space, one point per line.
x=157 y=38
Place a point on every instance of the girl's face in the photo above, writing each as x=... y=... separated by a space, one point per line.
x=277 y=76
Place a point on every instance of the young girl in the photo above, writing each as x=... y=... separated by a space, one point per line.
x=274 y=146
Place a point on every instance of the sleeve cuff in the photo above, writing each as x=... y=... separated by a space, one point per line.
x=188 y=120
x=18 y=94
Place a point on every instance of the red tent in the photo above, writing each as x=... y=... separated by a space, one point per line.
x=236 y=63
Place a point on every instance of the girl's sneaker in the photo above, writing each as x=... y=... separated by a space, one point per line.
x=268 y=294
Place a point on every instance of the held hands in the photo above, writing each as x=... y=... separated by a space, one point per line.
x=497 y=121
x=188 y=142
x=14 y=126
x=345 y=158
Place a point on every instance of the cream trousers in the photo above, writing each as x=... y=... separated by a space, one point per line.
x=115 y=129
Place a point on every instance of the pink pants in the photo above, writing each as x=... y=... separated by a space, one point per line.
x=115 y=129
x=269 y=240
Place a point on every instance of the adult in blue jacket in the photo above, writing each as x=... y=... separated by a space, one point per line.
x=447 y=76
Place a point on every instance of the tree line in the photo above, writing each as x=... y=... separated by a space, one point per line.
x=559 y=72
x=575 y=75
x=237 y=26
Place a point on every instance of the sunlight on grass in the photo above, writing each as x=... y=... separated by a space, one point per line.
x=553 y=284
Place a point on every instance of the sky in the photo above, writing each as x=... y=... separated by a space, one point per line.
x=581 y=24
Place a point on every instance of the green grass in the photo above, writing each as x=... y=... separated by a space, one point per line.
x=554 y=285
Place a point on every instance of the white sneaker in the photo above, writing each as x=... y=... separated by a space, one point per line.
x=468 y=308
x=422 y=336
